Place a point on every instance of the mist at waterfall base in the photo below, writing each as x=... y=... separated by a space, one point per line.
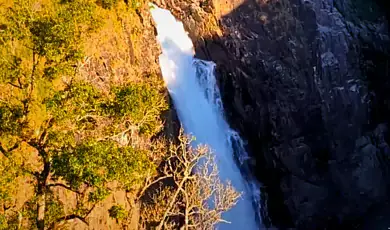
x=192 y=86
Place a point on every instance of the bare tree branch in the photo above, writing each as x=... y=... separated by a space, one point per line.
x=152 y=183
x=171 y=203
x=3 y=151
x=17 y=86
x=6 y=152
x=197 y=198
x=63 y=186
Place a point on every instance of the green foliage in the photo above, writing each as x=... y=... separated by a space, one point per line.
x=78 y=99
x=3 y=222
x=9 y=172
x=97 y=163
x=29 y=209
x=118 y=212
x=54 y=32
x=107 y=4
x=51 y=38
x=98 y=195
x=10 y=119
x=6 y=181
x=68 y=131
x=9 y=222
x=54 y=208
x=141 y=103
x=136 y=4
x=11 y=68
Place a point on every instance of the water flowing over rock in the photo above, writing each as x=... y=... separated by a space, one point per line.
x=307 y=83
x=192 y=86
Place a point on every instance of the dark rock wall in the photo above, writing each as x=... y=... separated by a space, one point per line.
x=307 y=84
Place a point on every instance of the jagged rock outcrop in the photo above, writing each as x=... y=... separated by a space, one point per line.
x=307 y=83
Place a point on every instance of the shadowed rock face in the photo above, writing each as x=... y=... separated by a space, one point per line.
x=307 y=83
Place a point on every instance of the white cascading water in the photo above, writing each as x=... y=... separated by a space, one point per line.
x=192 y=86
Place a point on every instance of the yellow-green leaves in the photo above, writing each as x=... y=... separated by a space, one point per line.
x=142 y=104
x=63 y=127
x=118 y=212
x=107 y=4
x=10 y=119
x=96 y=163
x=139 y=104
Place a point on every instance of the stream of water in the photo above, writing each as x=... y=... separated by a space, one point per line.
x=197 y=100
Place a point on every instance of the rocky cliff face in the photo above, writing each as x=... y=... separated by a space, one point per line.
x=307 y=83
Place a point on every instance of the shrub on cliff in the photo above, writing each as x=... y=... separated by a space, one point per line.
x=107 y=4
x=58 y=130
x=80 y=108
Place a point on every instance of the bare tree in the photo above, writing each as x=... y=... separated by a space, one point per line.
x=194 y=197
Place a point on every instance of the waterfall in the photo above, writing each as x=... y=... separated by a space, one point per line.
x=192 y=86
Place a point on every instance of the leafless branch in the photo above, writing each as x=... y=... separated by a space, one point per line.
x=3 y=151
x=63 y=186
x=196 y=183
x=7 y=152
x=17 y=86
x=148 y=184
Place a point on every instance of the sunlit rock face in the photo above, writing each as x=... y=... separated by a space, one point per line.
x=307 y=83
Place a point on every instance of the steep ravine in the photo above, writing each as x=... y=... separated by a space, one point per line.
x=307 y=84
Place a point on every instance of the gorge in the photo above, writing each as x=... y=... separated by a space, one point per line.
x=306 y=83
x=292 y=97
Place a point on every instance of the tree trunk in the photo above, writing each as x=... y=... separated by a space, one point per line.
x=41 y=211
x=41 y=195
